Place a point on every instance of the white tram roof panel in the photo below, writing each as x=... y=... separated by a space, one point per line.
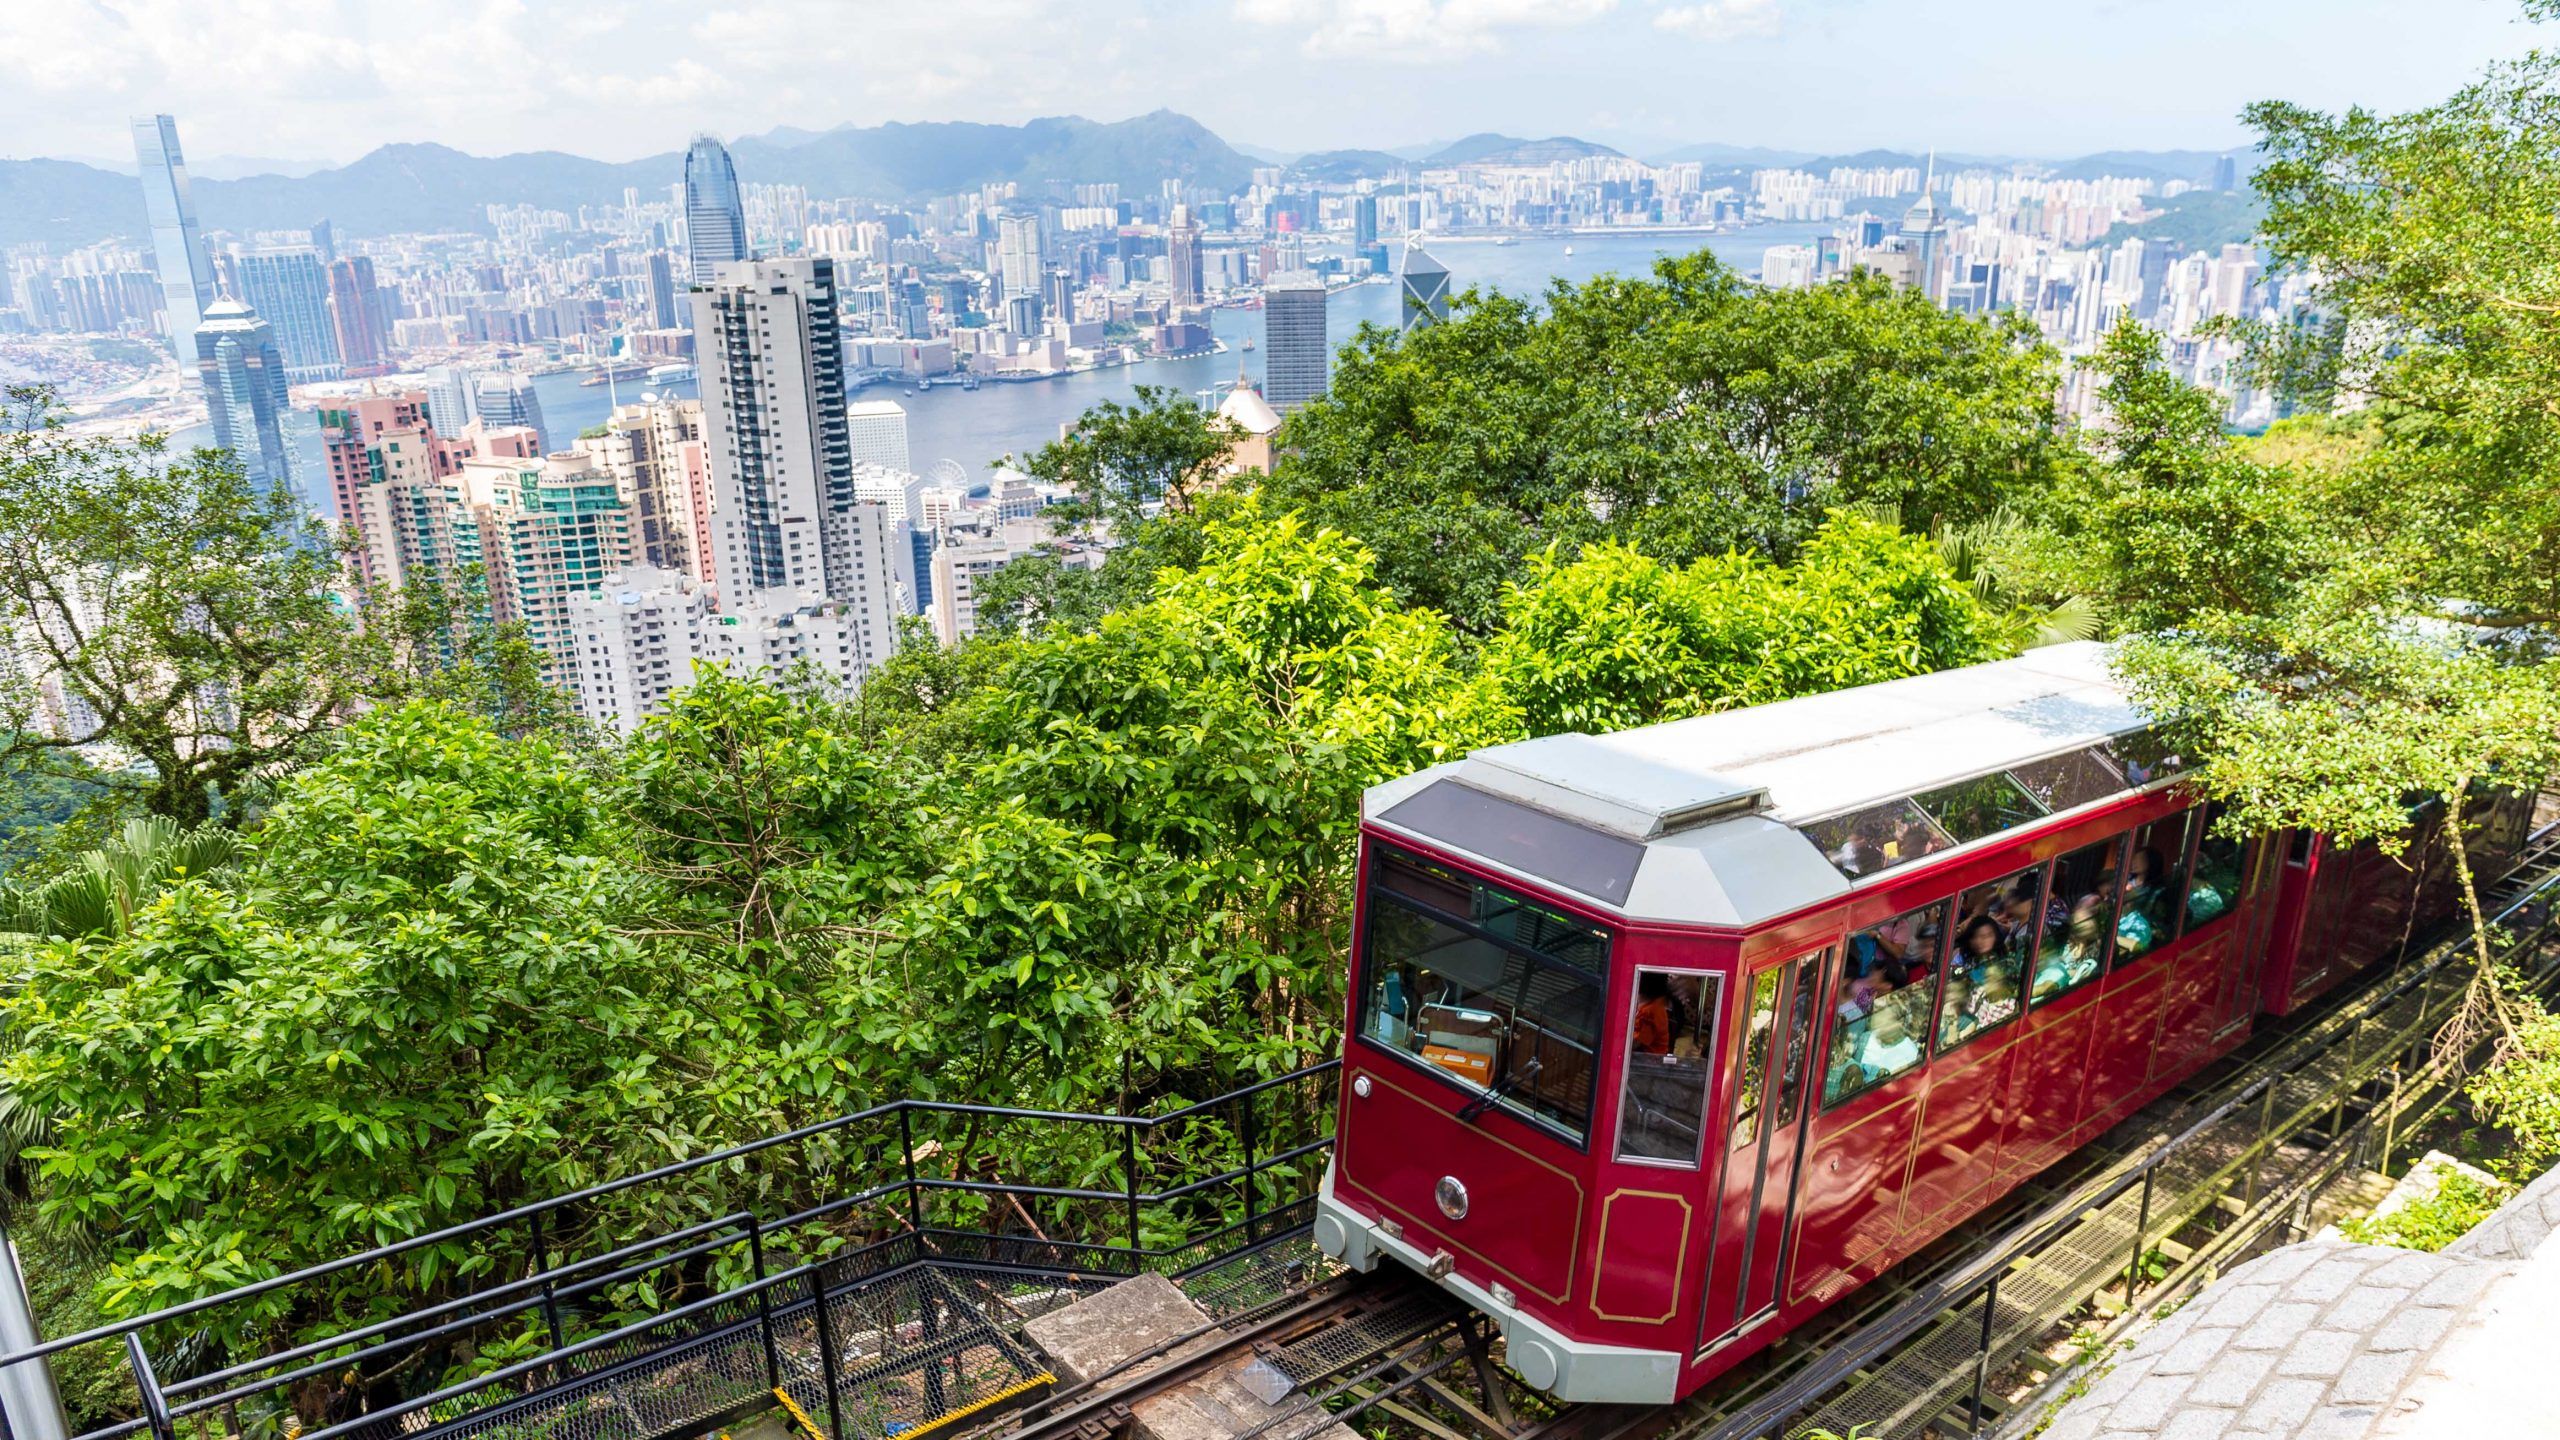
x=1823 y=754
x=1701 y=813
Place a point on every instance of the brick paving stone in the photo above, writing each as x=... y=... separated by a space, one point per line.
x=2457 y=1284
x=2197 y=1425
x=2416 y=1327
x=2366 y=1306
x=2330 y=1278
x=2078 y=1425
x=2372 y=1379
x=2406 y=1269
x=2193 y=1353
x=2278 y=1266
x=2231 y=1379
x=2284 y=1405
x=2276 y=1327
x=2319 y=1355
x=2147 y=1406
x=2339 y=1422
x=2239 y=1305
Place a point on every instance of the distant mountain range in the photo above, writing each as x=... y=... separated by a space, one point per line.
x=434 y=187
x=427 y=187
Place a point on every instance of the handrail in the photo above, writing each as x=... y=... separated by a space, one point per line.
x=532 y=1210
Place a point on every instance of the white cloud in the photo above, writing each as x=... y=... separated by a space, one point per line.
x=1414 y=30
x=1722 y=19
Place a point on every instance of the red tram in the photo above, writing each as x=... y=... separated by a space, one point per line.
x=1662 y=1041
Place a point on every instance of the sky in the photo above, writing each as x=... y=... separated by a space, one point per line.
x=327 y=80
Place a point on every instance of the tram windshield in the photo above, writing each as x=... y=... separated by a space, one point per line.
x=1487 y=989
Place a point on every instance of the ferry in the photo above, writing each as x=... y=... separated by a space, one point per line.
x=662 y=374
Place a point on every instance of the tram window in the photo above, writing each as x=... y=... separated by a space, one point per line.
x=1996 y=929
x=2154 y=870
x=2079 y=921
x=1799 y=1037
x=1759 y=1027
x=2143 y=757
x=1984 y=805
x=2220 y=863
x=1486 y=988
x=2072 y=778
x=1888 y=989
x=1879 y=837
x=1662 y=1113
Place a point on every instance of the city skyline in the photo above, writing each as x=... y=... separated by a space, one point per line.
x=1818 y=75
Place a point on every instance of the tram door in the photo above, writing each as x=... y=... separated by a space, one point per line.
x=2260 y=899
x=1775 y=1070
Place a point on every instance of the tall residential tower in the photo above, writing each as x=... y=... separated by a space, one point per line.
x=785 y=516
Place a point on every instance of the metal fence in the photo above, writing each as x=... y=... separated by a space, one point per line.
x=946 y=1225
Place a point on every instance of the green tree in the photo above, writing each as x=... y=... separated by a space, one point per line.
x=2188 y=521
x=177 y=610
x=2434 y=240
x=1686 y=414
x=1613 y=638
x=2367 y=623
x=187 y=607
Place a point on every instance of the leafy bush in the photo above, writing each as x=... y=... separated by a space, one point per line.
x=2434 y=1220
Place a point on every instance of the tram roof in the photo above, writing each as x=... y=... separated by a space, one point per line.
x=1703 y=820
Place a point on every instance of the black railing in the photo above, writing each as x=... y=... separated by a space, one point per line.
x=994 y=1189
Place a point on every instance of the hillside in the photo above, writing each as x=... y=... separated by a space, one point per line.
x=2197 y=220
x=1488 y=148
x=435 y=187
x=1341 y=167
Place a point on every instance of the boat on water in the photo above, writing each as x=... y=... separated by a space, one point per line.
x=1248 y=342
x=1568 y=249
x=662 y=374
x=1505 y=240
x=607 y=374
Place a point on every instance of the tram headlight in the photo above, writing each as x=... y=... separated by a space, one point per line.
x=1451 y=1192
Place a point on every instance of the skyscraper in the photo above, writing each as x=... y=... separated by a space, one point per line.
x=1364 y=221
x=1018 y=255
x=662 y=291
x=355 y=313
x=290 y=291
x=177 y=251
x=1182 y=259
x=244 y=386
x=448 y=399
x=506 y=398
x=877 y=431
x=1424 y=284
x=785 y=514
x=1924 y=238
x=715 y=217
x=1294 y=350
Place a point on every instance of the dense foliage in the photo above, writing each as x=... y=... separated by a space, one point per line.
x=1685 y=414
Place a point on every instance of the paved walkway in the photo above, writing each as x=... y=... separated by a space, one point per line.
x=2331 y=1340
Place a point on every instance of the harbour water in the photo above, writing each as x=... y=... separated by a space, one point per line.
x=979 y=428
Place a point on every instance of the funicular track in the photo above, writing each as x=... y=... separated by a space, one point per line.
x=920 y=1334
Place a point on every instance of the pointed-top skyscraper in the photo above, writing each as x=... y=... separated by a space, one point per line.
x=1425 y=285
x=177 y=250
x=715 y=215
x=1924 y=237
